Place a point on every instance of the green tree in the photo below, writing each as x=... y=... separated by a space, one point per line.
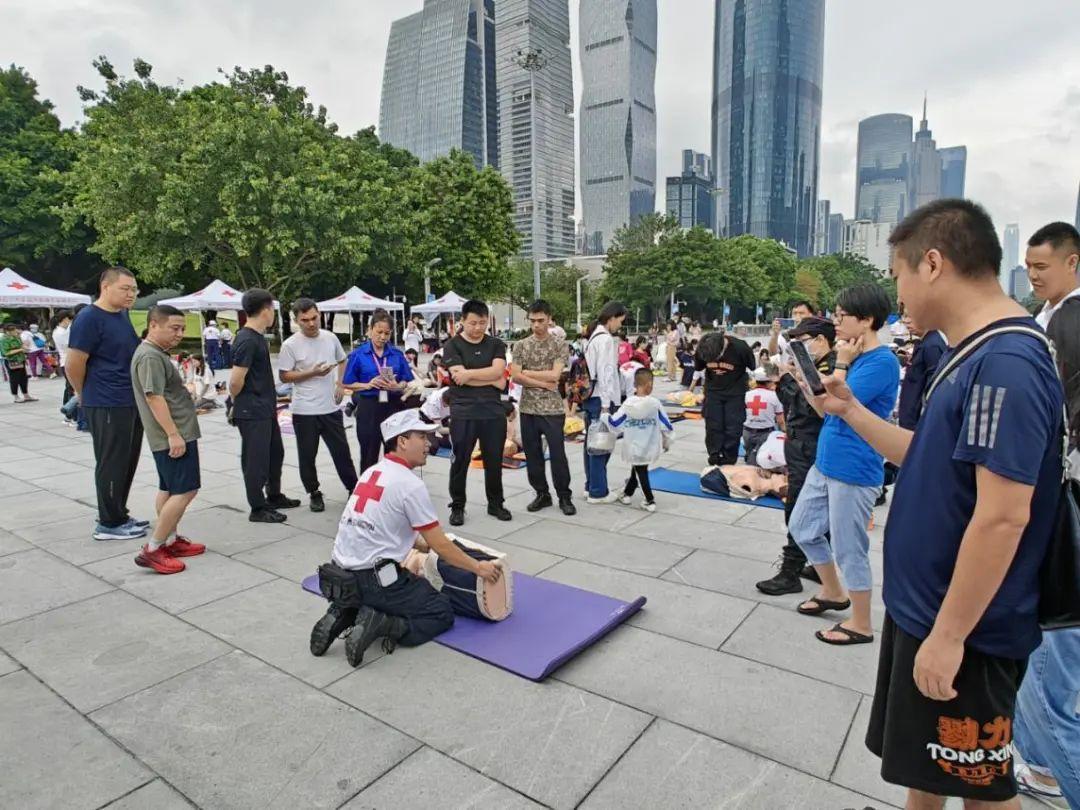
x=841 y=270
x=35 y=152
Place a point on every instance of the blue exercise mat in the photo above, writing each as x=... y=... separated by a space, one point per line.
x=687 y=483
x=551 y=623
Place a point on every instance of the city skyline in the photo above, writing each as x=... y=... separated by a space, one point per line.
x=1019 y=114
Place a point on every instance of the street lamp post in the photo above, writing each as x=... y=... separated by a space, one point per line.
x=427 y=277
x=533 y=61
x=579 y=282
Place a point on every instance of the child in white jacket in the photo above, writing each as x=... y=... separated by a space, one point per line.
x=643 y=422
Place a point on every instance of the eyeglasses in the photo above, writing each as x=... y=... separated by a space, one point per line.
x=129 y=289
x=838 y=317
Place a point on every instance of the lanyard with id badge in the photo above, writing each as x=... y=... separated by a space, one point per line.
x=386 y=373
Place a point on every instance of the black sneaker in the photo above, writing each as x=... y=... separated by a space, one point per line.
x=317 y=504
x=567 y=507
x=883 y=498
x=540 y=502
x=500 y=513
x=786 y=581
x=329 y=627
x=371 y=625
x=266 y=516
x=809 y=573
x=281 y=502
x=457 y=516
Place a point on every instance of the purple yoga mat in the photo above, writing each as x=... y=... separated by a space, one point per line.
x=551 y=623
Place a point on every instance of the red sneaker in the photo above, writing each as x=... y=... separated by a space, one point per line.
x=159 y=560
x=182 y=547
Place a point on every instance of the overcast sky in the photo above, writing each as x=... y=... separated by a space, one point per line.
x=1003 y=78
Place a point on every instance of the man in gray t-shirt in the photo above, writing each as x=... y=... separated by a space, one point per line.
x=313 y=361
x=167 y=413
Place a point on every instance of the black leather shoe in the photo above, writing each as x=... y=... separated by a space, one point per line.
x=266 y=516
x=567 y=507
x=809 y=573
x=457 y=516
x=540 y=502
x=370 y=626
x=500 y=513
x=330 y=626
x=281 y=502
x=317 y=503
x=783 y=582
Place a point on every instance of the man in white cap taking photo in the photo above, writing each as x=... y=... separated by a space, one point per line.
x=389 y=513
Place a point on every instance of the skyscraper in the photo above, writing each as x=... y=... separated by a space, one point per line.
x=618 y=116
x=821 y=228
x=439 y=80
x=690 y=195
x=883 y=168
x=766 y=117
x=532 y=40
x=836 y=234
x=1010 y=247
x=925 y=166
x=953 y=170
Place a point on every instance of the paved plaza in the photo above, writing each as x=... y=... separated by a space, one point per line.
x=123 y=688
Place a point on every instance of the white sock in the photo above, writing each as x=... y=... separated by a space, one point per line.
x=153 y=544
x=171 y=538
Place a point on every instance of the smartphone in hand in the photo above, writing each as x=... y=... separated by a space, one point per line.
x=807 y=367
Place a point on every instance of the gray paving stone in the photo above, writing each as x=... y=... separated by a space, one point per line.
x=77 y=485
x=673 y=767
x=430 y=781
x=690 y=614
x=106 y=648
x=33 y=581
x=605 y=548
x=292 y=558
x=8 y=665
x=154 y=796
x=54 y=758
x=15 y=486
x=43 y=534
x=237 y=733
x=227 y=531
x=525 y=560
x=322 y=523
x=764 y=518
x=609 y=517
x=273 y=622
x=785 y=639
x=84 y=549
x=11 y=453
x=734 y=576
x=479 y=524
x=860 y=770
x=208 y=577
x=548 y=741
x=738 y=701
x=710 y=535
x=44 y=467
x=9 y=544
x=701 y=508
x=20 y=512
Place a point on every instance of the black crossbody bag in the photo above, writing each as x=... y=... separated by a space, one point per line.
x=1059 y=575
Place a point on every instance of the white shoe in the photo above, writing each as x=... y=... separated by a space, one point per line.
x=625 y=500
x=19 y=398
x=648 y=507
x=1030 y=785
x=611 y=497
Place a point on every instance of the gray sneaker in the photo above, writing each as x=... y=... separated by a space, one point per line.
x=126 y=531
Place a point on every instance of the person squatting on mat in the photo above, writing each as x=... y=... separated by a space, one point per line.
x=368 y=588
x=726 y=362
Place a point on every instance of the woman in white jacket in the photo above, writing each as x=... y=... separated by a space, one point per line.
x=602 y=357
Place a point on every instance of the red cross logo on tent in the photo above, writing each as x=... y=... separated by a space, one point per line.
x=756 y=405
x=368 y=491
x=229 y=293
x=16 y=285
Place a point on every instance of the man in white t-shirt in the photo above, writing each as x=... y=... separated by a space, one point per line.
x=226 y=339
x=389 y=514
x=212 y=341
x=764 y=413
x=308 y=360
x=777 y=342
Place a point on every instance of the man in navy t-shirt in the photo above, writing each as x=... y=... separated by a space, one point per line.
x=98 y=365
x=971 y=519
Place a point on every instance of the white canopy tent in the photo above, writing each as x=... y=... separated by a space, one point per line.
x=356 y=300
x=17 y=292
x=217 y=295
x=449 y=304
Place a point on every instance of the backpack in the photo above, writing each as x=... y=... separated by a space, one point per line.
x=579 y=382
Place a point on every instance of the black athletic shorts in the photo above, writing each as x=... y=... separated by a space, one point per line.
x=179 y=476
x=961 y=747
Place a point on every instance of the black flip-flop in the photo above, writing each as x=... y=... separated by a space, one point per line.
x=852 y=636
x=822 y=606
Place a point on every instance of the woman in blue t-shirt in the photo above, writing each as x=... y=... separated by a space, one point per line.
x=838 y=497
x=376 y=374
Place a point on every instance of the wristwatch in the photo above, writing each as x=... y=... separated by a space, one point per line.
x=842 y=366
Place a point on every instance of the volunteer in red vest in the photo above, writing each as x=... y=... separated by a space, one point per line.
x=389 y=513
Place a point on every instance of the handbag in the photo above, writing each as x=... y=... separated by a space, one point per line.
x=1059 y=574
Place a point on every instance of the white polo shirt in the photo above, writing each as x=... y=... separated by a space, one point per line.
x=211 y=333
x=386 y=510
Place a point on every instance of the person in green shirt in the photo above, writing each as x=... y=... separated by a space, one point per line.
x=14 y=354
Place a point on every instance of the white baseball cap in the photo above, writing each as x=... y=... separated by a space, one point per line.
x=404 y=422
x=213 y=323
x=760 y=375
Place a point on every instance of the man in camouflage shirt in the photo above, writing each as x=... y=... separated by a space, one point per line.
x=538 y=364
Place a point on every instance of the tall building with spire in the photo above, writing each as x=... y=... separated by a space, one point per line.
x=617 y=119
x=925 y=166
x=439 y=89
x=768 y=58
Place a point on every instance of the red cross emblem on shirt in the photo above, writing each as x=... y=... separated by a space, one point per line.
x=756 y=405
x=368 y=491
x=19 y=286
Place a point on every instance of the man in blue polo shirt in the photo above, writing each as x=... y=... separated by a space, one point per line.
x=971 y=518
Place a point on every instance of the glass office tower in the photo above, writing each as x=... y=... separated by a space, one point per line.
x=766 y=117
x=953 y=170
x=883 y=168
